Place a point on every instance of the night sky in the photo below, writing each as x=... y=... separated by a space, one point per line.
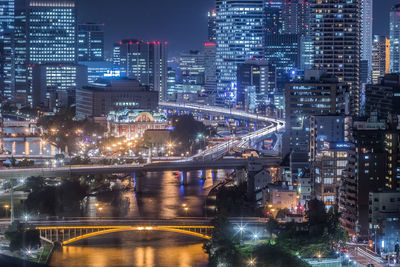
x=183 y=23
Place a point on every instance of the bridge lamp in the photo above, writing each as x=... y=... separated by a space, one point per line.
x=26 y=217
x=149 y=228
x=140 y=228
x=256 y=236
x=251 y=262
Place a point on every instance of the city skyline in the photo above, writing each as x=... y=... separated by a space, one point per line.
x=194 y=13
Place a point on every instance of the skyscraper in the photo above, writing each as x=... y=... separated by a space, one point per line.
x=240 y=36
x=296 y=17
x=52 y=31
x=335 y=28
x=6 y=17
x=282 y=52
x=256 y=80
x=52 y=45
x=144 y=61
x=273 y=16
x=366 y=37
x=90 y=42
x=212 y=24
x=210 y=70
x=395 y=39
x=380 y=57
x=6 y=48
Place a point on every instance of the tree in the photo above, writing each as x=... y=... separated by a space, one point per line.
x=186 y=130
x=35 y=183
x=272 y=256
x=22 y=238
x=222 y=247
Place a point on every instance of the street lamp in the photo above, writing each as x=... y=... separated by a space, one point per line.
x=6 y=207
x=251 y=262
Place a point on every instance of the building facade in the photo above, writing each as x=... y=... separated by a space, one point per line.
x=145 y=61
x=240 y=36
x=102 y=97
x=256 y=80
x=395 y=39
x=336 y=29
x=380 y=57
x=90 y=42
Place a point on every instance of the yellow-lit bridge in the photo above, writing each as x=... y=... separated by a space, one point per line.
x=67 y=232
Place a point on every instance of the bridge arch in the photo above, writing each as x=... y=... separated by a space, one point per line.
x=197 y=231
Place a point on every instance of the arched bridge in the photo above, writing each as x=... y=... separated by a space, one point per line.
x=67 y=233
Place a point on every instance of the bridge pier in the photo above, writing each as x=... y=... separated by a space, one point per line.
x=184 y=178
x=138 y=183
x=203 y=174
x=241 y=176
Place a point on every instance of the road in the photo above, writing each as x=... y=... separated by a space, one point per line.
x=18 y=173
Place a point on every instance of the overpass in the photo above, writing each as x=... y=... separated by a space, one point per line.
x=274 y=125
x=184 y=166
x=67 y=232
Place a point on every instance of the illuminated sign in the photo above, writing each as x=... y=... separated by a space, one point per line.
x=112 y=73
x=342 y=145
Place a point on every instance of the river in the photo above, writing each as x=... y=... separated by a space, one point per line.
x=162 y=197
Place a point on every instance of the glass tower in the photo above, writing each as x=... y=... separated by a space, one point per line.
x=52 y=31
x=90 y=42
x=240 y=36
x=395 y=39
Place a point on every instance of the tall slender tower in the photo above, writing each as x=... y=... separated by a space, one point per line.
x=395 y=39
x=380 y=57
x=336 y=30
x=240 y=36
x=366 y=39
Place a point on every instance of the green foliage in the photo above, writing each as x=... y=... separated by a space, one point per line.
x=186 y=130
x=22 y=238
x=34 y=183
x=272 y=256
x=79 y=161
x=320 y=235
x=222 y=248
x=63 y=130
x=233 y=201
x=53 y=199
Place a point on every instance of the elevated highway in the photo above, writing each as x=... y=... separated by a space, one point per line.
x=18 y=173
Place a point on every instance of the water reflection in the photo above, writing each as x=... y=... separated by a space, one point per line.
x=162 y=197
x=159 y=249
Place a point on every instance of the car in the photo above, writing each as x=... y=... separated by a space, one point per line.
x=370 y=265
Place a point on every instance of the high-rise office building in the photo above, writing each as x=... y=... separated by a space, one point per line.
x=366 y=38
x=52 y=31
x=210 y=69
x=282 y=52
x=306 y=53
x=380 y=57
x=192 y=67
x=212 y=26
x=21 y=53
x=383 y=98
x=144 y=61
x=51 y=42
x=335 y=27
x=6 y=48
x=6 y=17
x=273 y=16
x=296 y=17
x=317 y=94
x=256 y=80
x=240 y=36
x=372 y=166
x=395 y=39
x=90 y=42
